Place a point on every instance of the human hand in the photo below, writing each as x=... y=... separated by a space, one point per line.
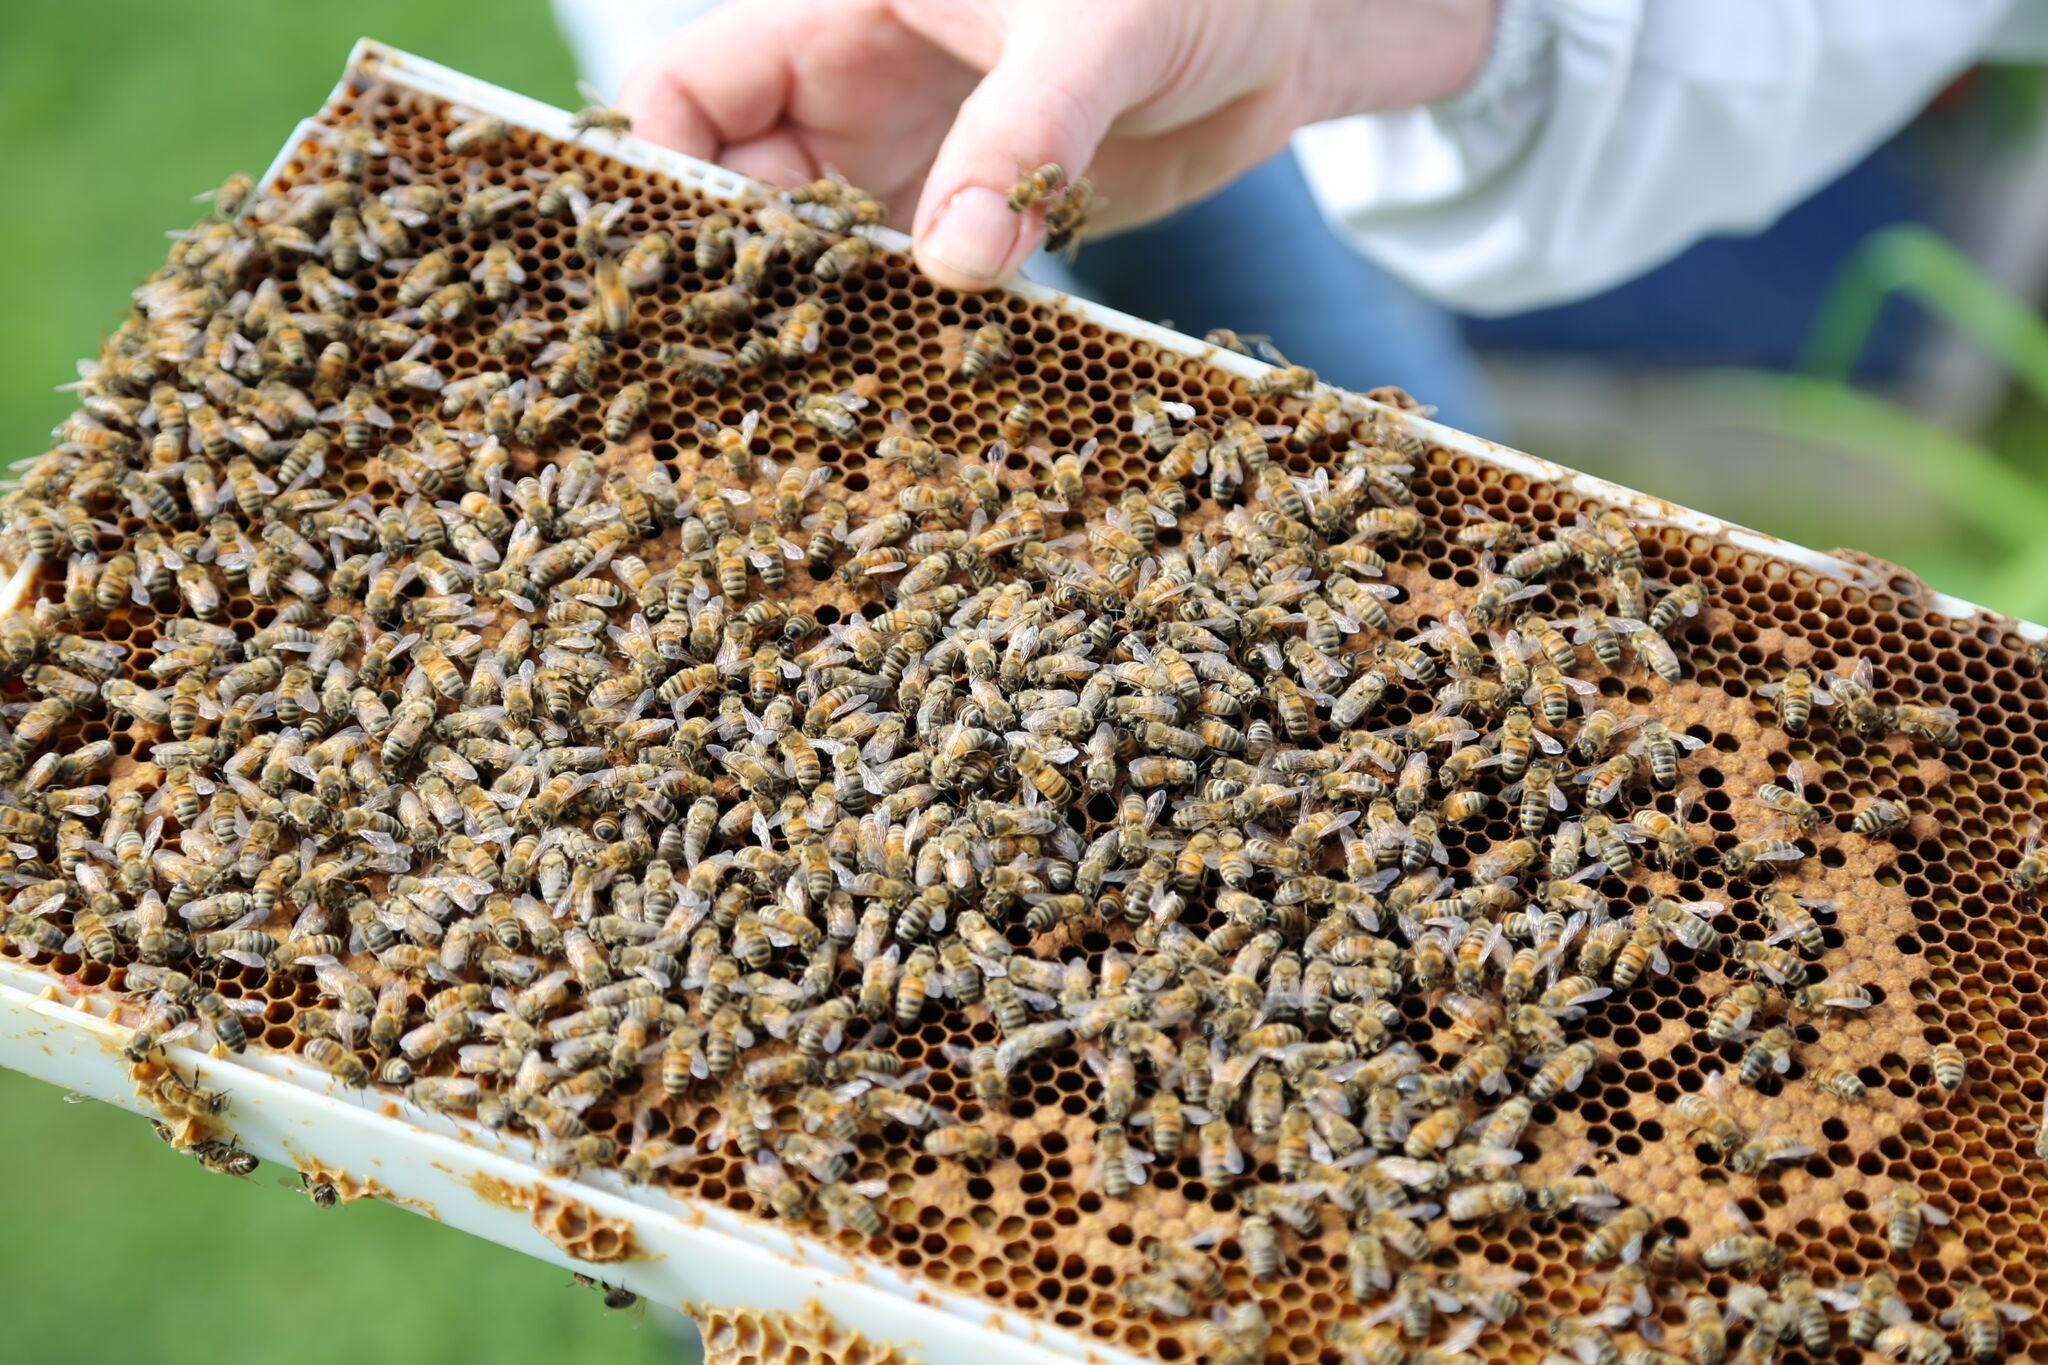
x=944 y=103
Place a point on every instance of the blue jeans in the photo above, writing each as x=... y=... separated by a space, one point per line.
x=1257 y=257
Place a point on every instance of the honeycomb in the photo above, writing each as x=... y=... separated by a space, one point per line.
x=1924 y=920
x=745 y=1336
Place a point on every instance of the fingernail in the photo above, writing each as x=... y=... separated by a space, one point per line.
x=974 y=235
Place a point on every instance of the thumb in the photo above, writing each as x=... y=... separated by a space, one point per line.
x=1051 y=97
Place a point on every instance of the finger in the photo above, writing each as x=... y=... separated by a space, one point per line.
x=1046 y=100
x=1156 y=175
x=778 y=158
x=721 y=79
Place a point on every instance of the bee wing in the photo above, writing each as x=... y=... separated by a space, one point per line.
x=1795 y=778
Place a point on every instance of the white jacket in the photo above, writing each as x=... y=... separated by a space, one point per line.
x=1600 y=138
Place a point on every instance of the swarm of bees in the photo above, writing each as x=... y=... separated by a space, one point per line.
x=541 y=769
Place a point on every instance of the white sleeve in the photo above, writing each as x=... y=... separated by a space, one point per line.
x=1602 y=137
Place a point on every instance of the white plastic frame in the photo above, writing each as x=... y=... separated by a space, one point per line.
x=456 y=1172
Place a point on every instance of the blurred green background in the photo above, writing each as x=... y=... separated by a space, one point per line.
x=113 y=114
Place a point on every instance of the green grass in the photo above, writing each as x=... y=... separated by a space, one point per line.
x=113 y=115
x=119 y=1248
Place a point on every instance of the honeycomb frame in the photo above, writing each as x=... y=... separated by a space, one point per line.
x=1944 y=978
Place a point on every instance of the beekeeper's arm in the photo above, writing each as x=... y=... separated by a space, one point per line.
x=1601 y=137
x=1498 y=154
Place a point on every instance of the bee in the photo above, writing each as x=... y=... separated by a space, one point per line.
x=1982 y=1320
x=850 y=1206
x=1765 y=1148
x=799 y=333
x=1789 y=800
x=1854 y=694
x=1752 y=856
x=1792 y=918
x=844 y=259
x=477 y=134
x=1034 y=187
x=1540 y=796
x=1562 y=1072
x=1517 y=742
x=337 y=1061
x=1733 y=1011
x=1294 y=381
x=1881 y=818
x=598 y=116
x=2031 y=872
x=1912 y=1342
x=1770 y=1051
x=1747 y=1250
x=1934 y=724
x=1706 y=1334
x=173 y=1096
x=1794 y=697
x=1325 y=417
x=1495 y=1198
x=1681 y=602
x=1948 y=1067
x=1119 y=1166
x=1158 y=1294
x=969 y=1142
x=837 y=415
x=981 y=351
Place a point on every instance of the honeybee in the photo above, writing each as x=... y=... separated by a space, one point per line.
x=1792 y=918
x=981 y=351
x=799 y=333
x=596 y=116
x=1035 y=187
x=1913 y=1342
x=968 y=1142
x=838 y=415
x=1982 y=1320
x=1158 y=1294
x=1795 y=696
x=727 y=306
x=1752 y=856
x=1563 y=1072
x=1765 y=1148
x=478 y=133
x=333 y=1058
x=1947 y=1066
x=1747 y=1250
x=1770 y=1051
x=1790 y=800
x=1066 y=218
x=1493 y=1199
x=844 y=259
x=850 y=1206
x=172 y=1095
